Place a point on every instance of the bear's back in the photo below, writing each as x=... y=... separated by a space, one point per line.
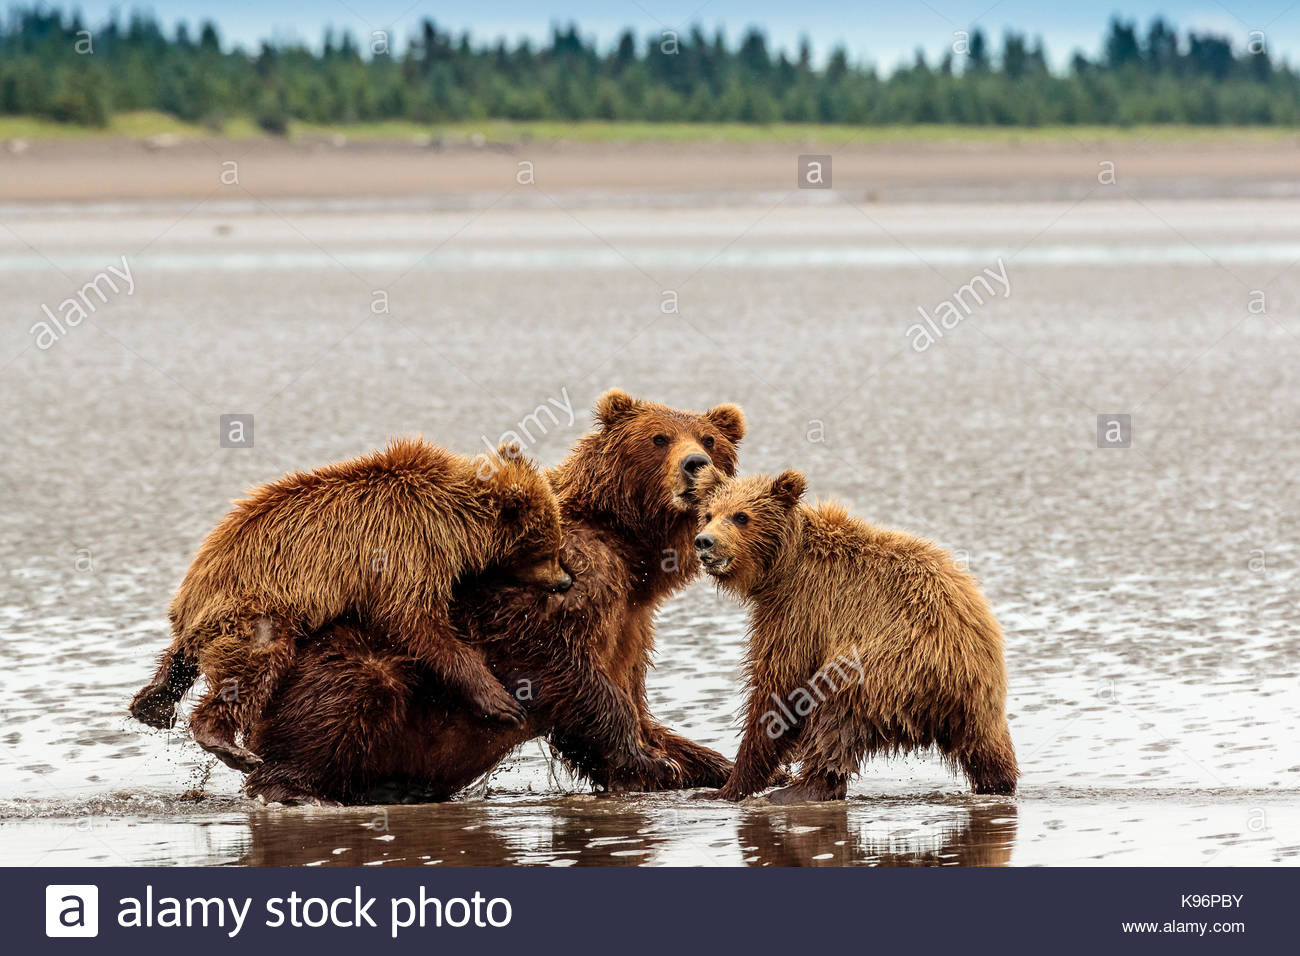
x=870 y=581
x=409 y=472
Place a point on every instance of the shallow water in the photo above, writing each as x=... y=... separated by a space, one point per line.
x=1148 y=594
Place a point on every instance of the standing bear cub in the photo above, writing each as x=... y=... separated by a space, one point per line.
x=862 y=641
x=382 y=538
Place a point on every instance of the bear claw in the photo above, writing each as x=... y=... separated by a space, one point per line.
x=501 y=706
x=231 y=754
x=652 y=767
x=800 y=793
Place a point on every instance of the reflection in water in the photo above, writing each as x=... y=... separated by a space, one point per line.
x=581 y=830
x=1042 y=827
x=632 y=831
x=829 y=835
x=363 y=836
x=622 y=837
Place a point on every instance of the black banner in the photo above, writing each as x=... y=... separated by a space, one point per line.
x=651 y=910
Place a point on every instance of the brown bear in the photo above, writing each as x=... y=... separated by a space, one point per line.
x=862 y=641
x=357 y=720
x=383 y=537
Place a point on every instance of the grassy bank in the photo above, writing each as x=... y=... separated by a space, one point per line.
x=149 y=125
x=141 y=125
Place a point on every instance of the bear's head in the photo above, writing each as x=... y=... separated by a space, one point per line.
x=527 y=513
x=745 y=526
x=641 y=466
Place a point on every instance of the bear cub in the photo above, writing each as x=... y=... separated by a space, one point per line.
x=382 y=538
x=862 y=641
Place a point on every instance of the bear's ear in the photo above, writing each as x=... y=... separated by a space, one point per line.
x=509 y=451
x=614 y=406
x=514 y=503
x=788 y=487
x=729 y=420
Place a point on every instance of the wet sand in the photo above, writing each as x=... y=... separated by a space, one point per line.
x=1148 y=594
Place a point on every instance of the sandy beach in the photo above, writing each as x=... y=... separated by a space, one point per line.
x=1070 y=166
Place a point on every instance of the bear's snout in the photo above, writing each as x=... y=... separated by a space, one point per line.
x=705 y=542
x=561 y=584
x=692 y=464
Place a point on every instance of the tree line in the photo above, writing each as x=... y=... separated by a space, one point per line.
x=55 y=65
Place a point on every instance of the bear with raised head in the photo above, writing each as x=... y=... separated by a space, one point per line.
x=383 y=538
x=357 y=720
x=862 y=641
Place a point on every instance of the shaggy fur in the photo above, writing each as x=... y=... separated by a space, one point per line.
x=576 y=661
x=862 y=641
x=383 y=537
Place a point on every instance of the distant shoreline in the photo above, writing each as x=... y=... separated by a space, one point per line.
x=148 y=157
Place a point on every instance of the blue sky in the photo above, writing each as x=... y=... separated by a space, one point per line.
x=883 y=32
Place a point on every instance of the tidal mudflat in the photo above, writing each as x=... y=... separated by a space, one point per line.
x=1148 y=591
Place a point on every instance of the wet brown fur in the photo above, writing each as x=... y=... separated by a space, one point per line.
x=825 y=588
x=577 y=660
x=383 y=537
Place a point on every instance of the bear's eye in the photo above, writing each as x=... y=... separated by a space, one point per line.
x=708 y=517
x=661 y=440
x=708 y=441
x=740 y=518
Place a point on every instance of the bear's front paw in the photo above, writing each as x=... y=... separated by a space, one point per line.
x=495 y=703
x=724 y=793
x=652 y=767
x=154 y=706
x=705 y=795
x=714 y=771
